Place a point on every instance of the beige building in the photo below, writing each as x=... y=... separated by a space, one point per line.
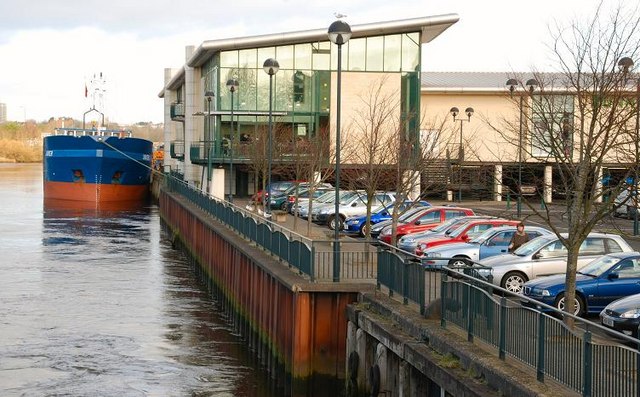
x=492 y=164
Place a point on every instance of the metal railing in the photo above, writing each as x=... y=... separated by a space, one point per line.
x=540 y=340
x=313 y=258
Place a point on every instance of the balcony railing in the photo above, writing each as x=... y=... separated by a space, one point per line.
x=177 y=150
x=177 y=111
x=242 y=151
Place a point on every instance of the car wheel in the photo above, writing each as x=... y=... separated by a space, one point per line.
x=459 y=262
x=332 y=223
x=513 y=282
x=578 y=305
x=363 y=230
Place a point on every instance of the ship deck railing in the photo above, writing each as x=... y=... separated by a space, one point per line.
x=92 y=132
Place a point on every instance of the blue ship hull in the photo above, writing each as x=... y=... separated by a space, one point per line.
x=96 y=168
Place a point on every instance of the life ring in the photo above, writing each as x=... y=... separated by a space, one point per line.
x=374 y=380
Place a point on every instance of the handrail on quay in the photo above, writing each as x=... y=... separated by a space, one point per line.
x=532 y=333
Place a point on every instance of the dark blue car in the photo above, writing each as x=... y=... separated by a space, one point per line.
x=357 y=225
x=599 y=283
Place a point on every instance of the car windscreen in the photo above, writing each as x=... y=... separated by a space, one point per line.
x=347 y=197
x=532 y=246
x=484 y=236
x=459 y=230
x=599 y=266
x=410 y=213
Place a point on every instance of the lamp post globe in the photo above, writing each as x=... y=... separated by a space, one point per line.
x=270 y=67
x=339 y=32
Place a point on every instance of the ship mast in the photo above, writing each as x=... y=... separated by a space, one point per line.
x=97 y=89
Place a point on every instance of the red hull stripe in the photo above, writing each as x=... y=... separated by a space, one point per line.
x=100 y=193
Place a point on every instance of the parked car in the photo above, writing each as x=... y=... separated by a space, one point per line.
x=273 y=189
x=303 y=207
x=343 y=196
x=623 y=315
x=545 y=256
x=356 y=225
x=626 y=206
x=304 y=197
x=599 y=283
x=280 y=200
x=425 y=220
x=464 y=233
x=352 y=207
x=491 y=242
x=378 y=227
x=409 y=242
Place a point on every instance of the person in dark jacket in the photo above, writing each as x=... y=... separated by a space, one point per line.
x=518 y=238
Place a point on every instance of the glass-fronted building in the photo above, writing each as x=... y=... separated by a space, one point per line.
x=213 y=134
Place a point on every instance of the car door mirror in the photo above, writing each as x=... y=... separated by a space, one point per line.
x=465 y=237
x=613 y=276
x=385 y=213
x=354 y=204
x=537 y=255
x=418 y=222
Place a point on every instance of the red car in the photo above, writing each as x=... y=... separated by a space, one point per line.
x=276 y=188
x=427 y=219
x=464 y=233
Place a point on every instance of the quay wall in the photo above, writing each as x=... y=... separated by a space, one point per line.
x=297 y=329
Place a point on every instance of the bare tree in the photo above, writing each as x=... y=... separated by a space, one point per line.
x=581 y=120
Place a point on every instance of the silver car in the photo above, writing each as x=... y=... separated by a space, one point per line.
x=303 y=208
x=491 y=242
x=545 y=256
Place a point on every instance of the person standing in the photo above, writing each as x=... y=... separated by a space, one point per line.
x=518 y=238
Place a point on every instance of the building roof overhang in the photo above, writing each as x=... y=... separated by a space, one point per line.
x=430 y=27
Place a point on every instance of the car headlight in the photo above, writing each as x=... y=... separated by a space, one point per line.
x=352 y=221
x=633 y=313
x=545 y=292
x=484 y=272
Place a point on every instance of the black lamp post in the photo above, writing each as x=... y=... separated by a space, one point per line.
x=339 y=33
x=232 y=85
x=531 y=85
x=626 y=64
x=454 y=112
x=208 y=95
x=270 y=67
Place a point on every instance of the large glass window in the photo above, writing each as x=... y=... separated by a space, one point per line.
x=552 y=134
x=229 y=59
x=392 y=54
x=357 y=54
x=284 y=55
x=247 y=58
x=302 y=56
x=321 y=55
x=375 y=53
x=410 y=52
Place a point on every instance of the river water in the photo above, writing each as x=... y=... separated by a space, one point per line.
x=96 y=303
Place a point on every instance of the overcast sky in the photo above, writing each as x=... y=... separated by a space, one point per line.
x=49 y=48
